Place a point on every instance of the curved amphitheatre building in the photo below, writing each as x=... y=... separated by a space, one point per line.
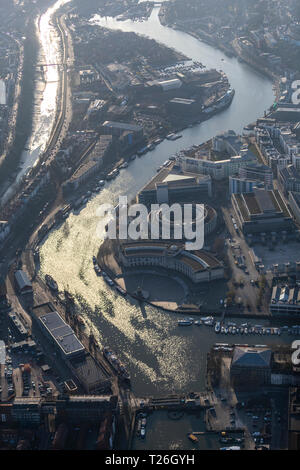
x=199 y=266
x=200 y=213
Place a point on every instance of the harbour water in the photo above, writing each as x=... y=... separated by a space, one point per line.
x=160 y=356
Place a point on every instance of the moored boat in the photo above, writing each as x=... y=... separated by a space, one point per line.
x=116 y=364
x=185 y=322
x=51 y=283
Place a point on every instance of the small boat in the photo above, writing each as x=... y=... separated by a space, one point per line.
x=51 y=283
x=173 y=136
x=198 y=323
x=116 y=364
x=185 y=322
x=110 y=176
x=218 y=327
x=121 y=290
x=193 y=438
x=109 y=281
x=97 y=270
x=205 y=319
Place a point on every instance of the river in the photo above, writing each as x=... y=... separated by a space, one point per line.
x=160 y=356
x=46 y=93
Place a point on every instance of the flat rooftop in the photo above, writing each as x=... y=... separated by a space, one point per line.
x=184 y=101
x=62 y=333
x=284 y=253
x=261 y=202
x=170 y=176
x=122 y=125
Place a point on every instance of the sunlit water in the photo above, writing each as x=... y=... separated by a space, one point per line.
x=160 y=356
x=46 y=93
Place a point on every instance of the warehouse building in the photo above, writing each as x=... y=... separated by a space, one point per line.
x=286 y=113
x=62 y=335
x=262 y=211
x=23 y=284
x=250 y=367
x=165 y=85
x=183 y=106
x=170 y=186
x=117 y=128
x=86 y=408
